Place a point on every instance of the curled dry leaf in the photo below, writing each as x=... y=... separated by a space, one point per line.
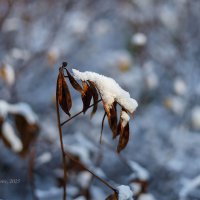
x=63 y=94
x=86 y=96
x=123 y=129
x=95 y=97
x=27 y=132
x=74 y=83
x=112 y=118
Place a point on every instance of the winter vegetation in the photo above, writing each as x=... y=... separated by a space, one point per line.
x=120 y=120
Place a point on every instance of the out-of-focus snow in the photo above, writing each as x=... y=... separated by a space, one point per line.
x=25 y=110
x=109 y=89
x=19 y=108
x=124 y=192
x=44 y=158
x=9 y=133
x=139 y=39
x=83 y=179
x=180 y=86
x=139 y=171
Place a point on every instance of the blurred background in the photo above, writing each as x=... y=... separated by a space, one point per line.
x=150 y=47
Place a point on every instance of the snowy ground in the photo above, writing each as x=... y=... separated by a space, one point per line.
x=150 y=47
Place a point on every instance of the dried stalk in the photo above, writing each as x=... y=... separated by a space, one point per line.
x=63 y=151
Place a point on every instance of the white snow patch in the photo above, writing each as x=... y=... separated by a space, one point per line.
x=125 y=118
x=83 y=179
x=140 y=172
x=180 y=87
x=9 y=133
x=124 y=193
x=139 y=39
x=109 y=89
x=44 y=158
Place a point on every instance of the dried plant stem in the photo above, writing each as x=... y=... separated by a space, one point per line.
x=77 y=114
x=63 y=151
x=71 y=157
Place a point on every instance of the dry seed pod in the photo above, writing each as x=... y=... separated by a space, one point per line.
x=123 y=130
x=95 y=97
x=86 y=96
x=63 y=94
x=112 y=119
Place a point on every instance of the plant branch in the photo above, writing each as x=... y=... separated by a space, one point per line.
x=71 y=157
x=62 y=149
x=77 y=114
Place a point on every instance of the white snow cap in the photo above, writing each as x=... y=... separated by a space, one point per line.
x=109 y=89
x=124 y=193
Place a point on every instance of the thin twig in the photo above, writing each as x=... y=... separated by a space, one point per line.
x=83 y=166
x=62 y=149
x=75 y=115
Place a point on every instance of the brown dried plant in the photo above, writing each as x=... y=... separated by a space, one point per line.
x=89 y=92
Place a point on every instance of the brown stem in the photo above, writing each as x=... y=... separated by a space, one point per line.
x=71 y=157
x=62 y=149
x=77 y=114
